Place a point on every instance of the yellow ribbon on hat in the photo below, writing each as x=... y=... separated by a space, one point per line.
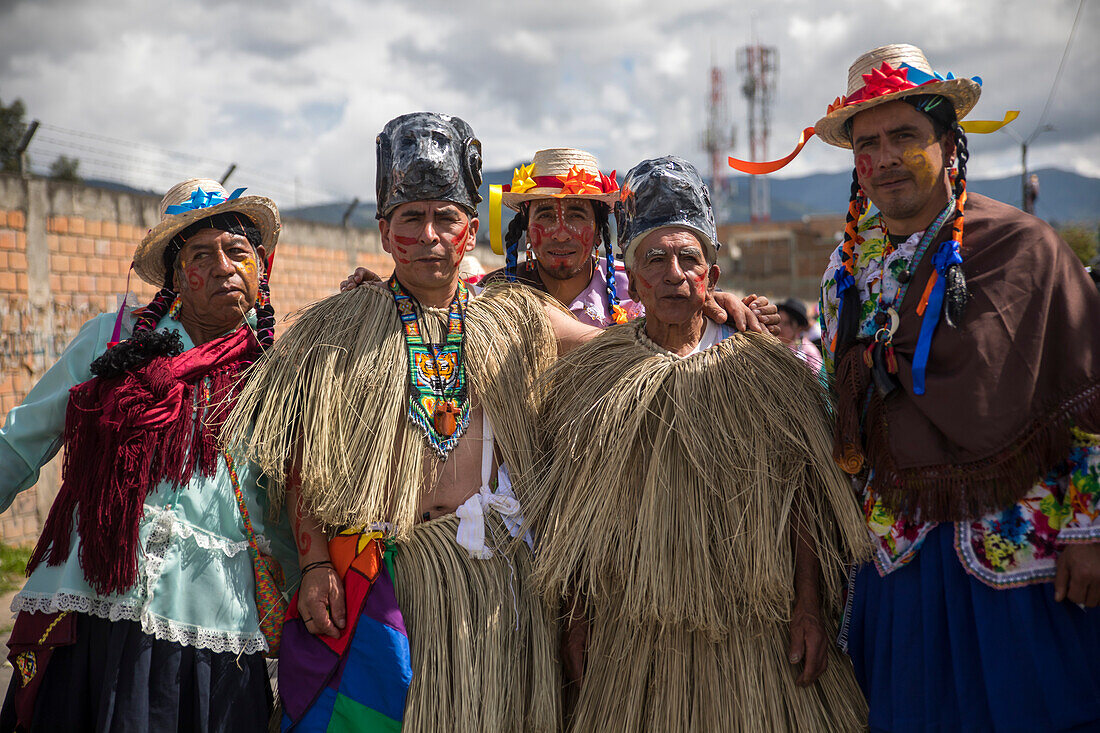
x=984 y=127
x=496 y=195
x=521 y=179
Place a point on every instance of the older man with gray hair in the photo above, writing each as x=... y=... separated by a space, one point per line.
x=692 y=514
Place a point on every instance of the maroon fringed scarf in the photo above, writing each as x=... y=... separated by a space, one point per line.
x=125 y=435
x=1003 y=389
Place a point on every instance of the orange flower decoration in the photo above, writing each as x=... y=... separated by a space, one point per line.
x=579 y=181
x=837 y=104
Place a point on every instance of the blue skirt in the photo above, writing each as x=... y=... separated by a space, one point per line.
x=935 y=649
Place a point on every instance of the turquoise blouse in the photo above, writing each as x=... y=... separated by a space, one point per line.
x=195 y=584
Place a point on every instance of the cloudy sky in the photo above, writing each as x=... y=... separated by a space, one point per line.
x=295 y=92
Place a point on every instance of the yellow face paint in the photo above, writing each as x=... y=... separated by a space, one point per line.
x=917 y=160
x=246 y=268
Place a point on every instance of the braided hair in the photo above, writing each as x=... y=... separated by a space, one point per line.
x=517 y=230
x=848 y=316
x=145 y=342
x=956 y=295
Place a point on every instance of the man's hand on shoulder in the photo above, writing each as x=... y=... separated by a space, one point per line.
x=1078 y=575
x=751 y=313
x=360 y=276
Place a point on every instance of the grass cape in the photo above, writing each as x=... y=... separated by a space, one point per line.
x=334 y=390
x=671 y=489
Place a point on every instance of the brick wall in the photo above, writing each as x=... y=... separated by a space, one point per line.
x=65 y=250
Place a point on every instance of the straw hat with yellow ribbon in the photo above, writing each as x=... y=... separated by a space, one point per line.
x=886 y=74
x=552 y=173
x=193 y=200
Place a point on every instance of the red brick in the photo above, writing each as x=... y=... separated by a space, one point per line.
x=3 y=260
x=120 y=249
x=16 y=219
x=102 y=248
x=7 y=282
x=57 y=224
x=17 y=261
x=53 y=242
x=108 y=229
x=21 y=241
x=21 y=282
x=85 y=246
x=94 y=266
x=70 y=283
x=55 y=283
x=87 y=284
x=76 y=224
x=68 y=245
x=7 y=240
x=59 y=263
x=3 y=218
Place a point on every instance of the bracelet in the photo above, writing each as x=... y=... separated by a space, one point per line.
x=315 y=565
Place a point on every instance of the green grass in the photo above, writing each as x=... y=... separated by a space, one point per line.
x=13 y=564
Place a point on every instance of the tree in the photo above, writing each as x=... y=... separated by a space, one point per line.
x=12 y=129
x=64 y=169
x=1081 y=240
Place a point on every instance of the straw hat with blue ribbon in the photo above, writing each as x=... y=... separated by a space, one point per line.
x=193 y=200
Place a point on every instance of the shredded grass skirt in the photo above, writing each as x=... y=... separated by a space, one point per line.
x=483 y=644
x=649 y=678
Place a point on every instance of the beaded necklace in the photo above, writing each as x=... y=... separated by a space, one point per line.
x=439 y=399
x=879 y=355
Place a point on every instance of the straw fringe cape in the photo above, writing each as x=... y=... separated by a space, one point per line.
x=334 y=390
x=667 y=507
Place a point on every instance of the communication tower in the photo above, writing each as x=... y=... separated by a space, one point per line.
x=759 y=66
x=718 y=136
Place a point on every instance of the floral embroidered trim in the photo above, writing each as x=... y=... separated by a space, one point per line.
x=1036 y=571
x=161 y=628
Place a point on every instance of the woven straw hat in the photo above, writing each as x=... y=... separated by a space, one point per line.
x=887 y=74
x=550 y=172
x=200 y=198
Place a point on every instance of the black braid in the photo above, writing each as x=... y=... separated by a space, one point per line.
x=603 y=222
x=158 y=307
x=848 y=327
x=517 y=230
x=145 y=342
x=962 y=154
x=265 y=316
x=956 y=294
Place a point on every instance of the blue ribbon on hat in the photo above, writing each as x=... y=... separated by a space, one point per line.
x=919 y=77
x=200 y=200
x=947 y=255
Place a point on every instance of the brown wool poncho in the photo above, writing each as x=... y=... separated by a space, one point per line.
x=1002 y=390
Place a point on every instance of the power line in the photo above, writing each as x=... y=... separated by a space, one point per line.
x=1058 y=74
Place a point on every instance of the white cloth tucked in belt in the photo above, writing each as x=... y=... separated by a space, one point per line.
x=471 y=515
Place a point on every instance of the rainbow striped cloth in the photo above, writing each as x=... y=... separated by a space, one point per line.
x=359 y=681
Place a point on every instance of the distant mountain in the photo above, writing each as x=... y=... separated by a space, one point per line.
x=1064 y=197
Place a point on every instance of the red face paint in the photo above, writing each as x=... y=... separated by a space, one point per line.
x=405 y=241
x=864 y=166
x=458 y=242
x=194 y=280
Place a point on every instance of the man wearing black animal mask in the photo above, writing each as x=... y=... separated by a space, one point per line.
x=411 y=408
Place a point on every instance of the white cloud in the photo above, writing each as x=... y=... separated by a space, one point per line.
x=297 y=91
